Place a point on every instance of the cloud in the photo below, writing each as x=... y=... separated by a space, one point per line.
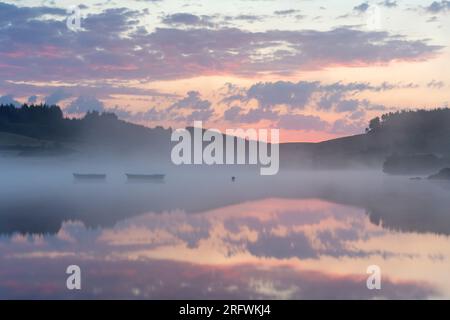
x=232 y=114
x=198 y=115
x=192 y=101
x=198 y=108
x=329 y=100
x=25 y=14
x=256 y=115
x=293 y=121
x=202 y=109
x=438 y=7
x=113 y=45
x=347 y=105
x=150 y=115
x=299 y=95
x=287 y=12
x=301 y=122
x=281 y=247
x=32 y=99
x=245 y=17
x=9 y=99
x=363 y=7
x=99 y=89
x=187 y=19
x=186 y=109
x=84 y=104
x=240 y=115
x=337 y=101
x=57 y=96
x=111 y=22
x=280 y=101
x=269 y=94
x=436 y=84
x=388 y=3
x=229 y=99
x=357 y=115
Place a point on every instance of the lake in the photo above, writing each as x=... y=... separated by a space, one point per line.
x=199 y=235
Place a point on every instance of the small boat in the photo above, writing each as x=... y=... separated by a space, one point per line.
x=89 y=176
x=145 y=177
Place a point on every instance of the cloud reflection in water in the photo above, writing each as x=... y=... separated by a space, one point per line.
x=271 y=248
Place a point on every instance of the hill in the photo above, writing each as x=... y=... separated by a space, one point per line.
x=11 y=139
x=403 y=134
x=94 y=133
x=395 y=136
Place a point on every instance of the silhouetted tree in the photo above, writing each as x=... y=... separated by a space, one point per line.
x=374 y=124
x=48 y=123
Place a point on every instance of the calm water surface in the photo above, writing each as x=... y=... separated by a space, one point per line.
x=293 y=236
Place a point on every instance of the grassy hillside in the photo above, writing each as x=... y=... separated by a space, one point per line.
x=94 y=133
x=401 y=133
x=404 y=133
x=10 y=139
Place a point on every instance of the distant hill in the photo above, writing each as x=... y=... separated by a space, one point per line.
x=403 y=133
x=421 y=131
x=94 y=133
x=11 y=139
x=417 y=164
x=18 y=145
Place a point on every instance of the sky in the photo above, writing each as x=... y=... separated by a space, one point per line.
x=316 y=70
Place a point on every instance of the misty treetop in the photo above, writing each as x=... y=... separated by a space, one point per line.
x=41 y=113
x=425 y=121
x=413 y=131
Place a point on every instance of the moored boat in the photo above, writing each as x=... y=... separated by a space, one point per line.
x=145 y=177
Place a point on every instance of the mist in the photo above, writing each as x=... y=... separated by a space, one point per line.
x=31 y=188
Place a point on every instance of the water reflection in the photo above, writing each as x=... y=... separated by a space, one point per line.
x=294 y=236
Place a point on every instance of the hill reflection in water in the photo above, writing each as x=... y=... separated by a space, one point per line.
x=290 y=236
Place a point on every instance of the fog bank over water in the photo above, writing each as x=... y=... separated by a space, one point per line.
x=49 y=189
